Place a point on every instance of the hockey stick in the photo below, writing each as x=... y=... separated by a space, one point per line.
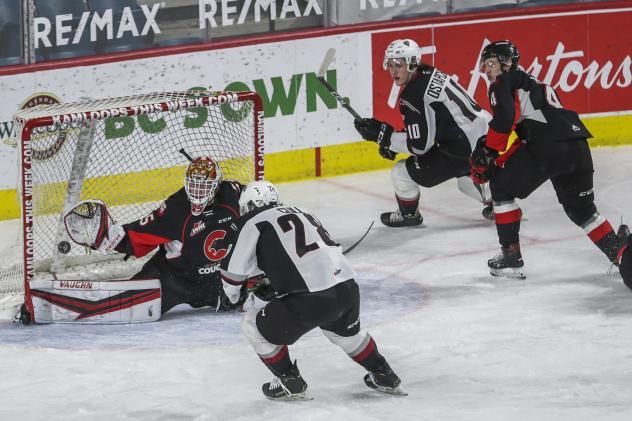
x=329 y=58
x=183 y=152
x=347 y=251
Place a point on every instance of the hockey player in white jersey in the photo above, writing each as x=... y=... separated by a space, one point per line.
x=314 y=287
x=442 y=125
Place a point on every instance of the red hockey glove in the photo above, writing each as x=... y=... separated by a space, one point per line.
x=483 y=162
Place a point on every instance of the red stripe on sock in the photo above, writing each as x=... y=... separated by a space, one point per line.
x=408 y=202
x=365 y=352
x=600 y=232
x=508 y=217
x=620 y=255
x=276 y=358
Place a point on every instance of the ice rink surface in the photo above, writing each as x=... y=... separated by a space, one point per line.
x=556 y=346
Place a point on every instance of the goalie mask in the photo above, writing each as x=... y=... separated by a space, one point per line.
x=257 y=194
x=406 y=49
x=201 y=181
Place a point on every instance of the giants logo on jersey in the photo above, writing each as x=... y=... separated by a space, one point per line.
x=212 y=253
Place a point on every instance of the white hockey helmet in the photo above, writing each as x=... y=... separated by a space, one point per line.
x=201 y=181
x=257 y=194
x=403 y=48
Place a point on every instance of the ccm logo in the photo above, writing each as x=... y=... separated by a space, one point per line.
x=585 y=193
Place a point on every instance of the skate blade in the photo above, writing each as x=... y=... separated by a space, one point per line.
x=399 y=390
x=294 y=397
x=514 y=273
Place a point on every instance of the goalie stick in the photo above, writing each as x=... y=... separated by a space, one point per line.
x=183 y=152
x=354 y=245
x=329 y=58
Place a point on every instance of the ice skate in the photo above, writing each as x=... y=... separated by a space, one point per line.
x=383 y=379
x=507 y=263
x=287 y=387
x=625 y=262
x=397 y=219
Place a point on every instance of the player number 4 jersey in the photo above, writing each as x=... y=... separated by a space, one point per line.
x=290 y=246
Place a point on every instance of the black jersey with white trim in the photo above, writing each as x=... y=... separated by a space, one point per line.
x=435 y=108
x=533 y=109
x=193 y=246
x=290 y=246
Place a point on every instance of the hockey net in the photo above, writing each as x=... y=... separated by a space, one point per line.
x=124 y=151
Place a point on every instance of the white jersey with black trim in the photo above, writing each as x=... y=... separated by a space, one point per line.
x=436 y=109
x=290 y=246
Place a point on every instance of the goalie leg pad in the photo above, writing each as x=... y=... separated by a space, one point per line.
x=96 y=302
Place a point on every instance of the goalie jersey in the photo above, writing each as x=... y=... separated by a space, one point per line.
x=190 y=246
x=290 y=246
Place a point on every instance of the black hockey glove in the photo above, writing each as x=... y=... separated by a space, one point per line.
x=483 y=162
x=376 y=131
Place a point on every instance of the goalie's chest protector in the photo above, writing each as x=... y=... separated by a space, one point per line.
x=196 y=244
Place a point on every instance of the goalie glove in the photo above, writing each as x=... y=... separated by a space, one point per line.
x=377 y=131
x=483 y=162
x=89 y=224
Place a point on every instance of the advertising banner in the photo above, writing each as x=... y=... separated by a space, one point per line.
x=584 y=56
x=300 y=113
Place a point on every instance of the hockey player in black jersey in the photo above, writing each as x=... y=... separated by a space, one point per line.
x=442 y=124
x=552 y=146
x=189 y=229
x=314 y=287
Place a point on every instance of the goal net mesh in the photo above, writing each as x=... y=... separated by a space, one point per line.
x=124 y=151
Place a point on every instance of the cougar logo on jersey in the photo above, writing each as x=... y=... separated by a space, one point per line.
x=212 y=253
x=198 y=227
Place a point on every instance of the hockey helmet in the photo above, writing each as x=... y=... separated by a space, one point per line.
x=403 y=48
x=257 y=194
x=505 y=51
x=201 y=181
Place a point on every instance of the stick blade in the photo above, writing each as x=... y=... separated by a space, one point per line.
x=327 y=60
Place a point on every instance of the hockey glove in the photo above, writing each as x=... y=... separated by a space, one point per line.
x=89 y=224
x=376 y=131
x=260 y=286
x=483 y=162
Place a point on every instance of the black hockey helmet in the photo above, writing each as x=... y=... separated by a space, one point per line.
x=505 y=51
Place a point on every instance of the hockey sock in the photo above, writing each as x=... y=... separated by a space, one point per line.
x=601 y=233
x=278 y=363
x=507 y=216
x=407 y=206
x=369 y=356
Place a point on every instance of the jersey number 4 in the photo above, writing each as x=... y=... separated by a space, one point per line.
x=291 y=221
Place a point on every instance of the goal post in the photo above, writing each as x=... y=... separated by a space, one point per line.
x=124 y=151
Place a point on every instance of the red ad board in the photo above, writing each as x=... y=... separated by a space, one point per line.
x=585 y=57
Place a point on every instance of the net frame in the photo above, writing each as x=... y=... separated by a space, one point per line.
x=60 y=116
